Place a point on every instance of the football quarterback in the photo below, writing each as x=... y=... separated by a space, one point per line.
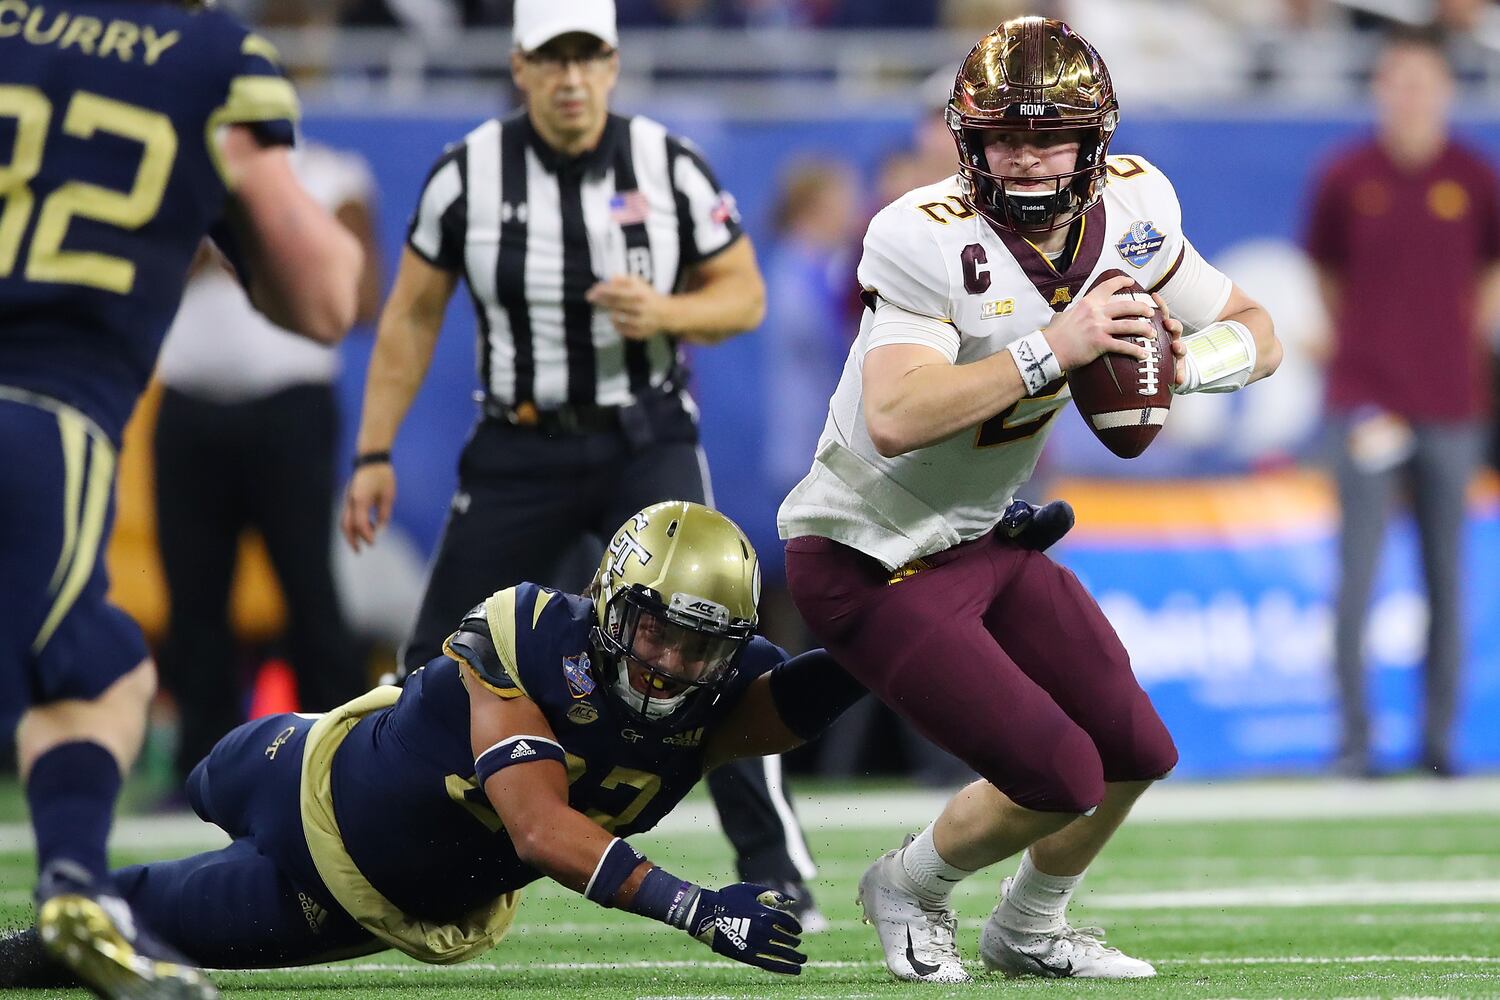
x=976 y=307
x=554 y=727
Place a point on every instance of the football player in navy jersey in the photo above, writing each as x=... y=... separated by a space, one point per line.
x=553 y=727
x=128 y=130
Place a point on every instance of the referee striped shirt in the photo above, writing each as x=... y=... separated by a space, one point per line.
x=531 y=231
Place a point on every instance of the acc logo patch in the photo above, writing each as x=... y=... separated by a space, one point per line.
x=582 y=713
x=1140 y=243
x=576 y=672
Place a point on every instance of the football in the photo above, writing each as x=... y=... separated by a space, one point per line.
x=1125 y=400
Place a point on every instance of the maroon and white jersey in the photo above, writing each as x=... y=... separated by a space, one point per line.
x=936 y=273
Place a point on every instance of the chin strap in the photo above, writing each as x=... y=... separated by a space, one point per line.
x=1219 y=358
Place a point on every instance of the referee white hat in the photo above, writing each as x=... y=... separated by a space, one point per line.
x=537 y=22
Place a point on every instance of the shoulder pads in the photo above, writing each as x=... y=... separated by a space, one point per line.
x=473 y=645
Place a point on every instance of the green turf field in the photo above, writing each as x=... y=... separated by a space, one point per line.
x=1225 y=902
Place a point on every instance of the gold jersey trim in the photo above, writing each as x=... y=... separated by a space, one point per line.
x=251 y=99
x=440 y=944
x=88 y=483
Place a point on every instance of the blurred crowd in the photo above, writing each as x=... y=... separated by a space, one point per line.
x=1458 y=16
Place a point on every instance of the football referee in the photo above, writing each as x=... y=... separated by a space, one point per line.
x=592 y=244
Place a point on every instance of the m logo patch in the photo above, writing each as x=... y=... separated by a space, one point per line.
x=1140 y=243
x=1061 y=297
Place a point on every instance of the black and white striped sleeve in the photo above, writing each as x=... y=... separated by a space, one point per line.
x=436 y=233
x=708 y=220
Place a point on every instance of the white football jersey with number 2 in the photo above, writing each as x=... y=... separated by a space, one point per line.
x=930 y=254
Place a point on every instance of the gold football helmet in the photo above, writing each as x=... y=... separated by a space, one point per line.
x=675 y=601
x=1032 y=74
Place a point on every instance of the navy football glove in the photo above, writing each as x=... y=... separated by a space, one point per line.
x=749 y=923
x=1037 y=528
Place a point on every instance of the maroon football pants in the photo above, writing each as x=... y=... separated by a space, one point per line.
x=999 y=656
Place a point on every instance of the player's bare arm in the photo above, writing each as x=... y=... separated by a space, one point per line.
x=781 y=710
x=404 y=344
x=1242 y=309
x=304 y=266
x=914 y=397
x=531 y=799
x=725 y=295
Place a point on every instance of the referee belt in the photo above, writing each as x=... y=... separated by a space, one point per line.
x=570 y=418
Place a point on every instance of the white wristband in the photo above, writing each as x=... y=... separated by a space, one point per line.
x=1035 y=361
x=1219 y=358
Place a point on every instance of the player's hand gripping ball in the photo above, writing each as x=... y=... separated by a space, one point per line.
x=1125 y=400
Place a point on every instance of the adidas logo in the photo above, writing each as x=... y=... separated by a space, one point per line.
x=521 y=749
x=735 y=929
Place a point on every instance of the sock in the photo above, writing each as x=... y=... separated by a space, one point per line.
x=71 y=791
x=1035 y=901
x=930 y=876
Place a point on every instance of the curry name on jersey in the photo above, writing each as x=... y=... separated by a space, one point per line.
x=412 y=815
x=929 y=253
x=109 y=178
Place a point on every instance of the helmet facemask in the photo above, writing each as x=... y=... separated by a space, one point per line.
x=667 y=663
x=1060 y=199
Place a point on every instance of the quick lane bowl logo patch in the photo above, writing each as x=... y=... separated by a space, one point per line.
x=576 y=672
x=1140 y=243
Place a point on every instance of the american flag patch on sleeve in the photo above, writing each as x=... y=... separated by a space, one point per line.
x=629 y=208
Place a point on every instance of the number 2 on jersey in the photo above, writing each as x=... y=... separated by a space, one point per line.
x=87 y=115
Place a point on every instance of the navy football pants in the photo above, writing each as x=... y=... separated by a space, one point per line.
x=258 y=902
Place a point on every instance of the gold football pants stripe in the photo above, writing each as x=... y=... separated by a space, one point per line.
x=86 y=506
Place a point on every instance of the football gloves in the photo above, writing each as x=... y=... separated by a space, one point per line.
x=749 y=923
x=1037 y=528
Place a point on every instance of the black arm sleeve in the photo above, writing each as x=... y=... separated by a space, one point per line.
x=811 y=691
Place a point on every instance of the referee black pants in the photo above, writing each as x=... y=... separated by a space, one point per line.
x=537 y=507
x=221 y=468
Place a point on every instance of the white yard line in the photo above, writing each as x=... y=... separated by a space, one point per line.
x=1178 y=802
x=1202 y=960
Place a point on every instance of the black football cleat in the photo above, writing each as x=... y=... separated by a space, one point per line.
x=95 y=936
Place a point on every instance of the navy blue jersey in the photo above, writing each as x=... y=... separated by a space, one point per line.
x=109 y=179
x=412 y=815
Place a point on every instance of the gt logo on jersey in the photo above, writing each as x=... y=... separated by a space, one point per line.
x=1140 y=243
x=280 y=739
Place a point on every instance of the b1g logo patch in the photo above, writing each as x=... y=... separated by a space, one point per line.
x=1140 y=243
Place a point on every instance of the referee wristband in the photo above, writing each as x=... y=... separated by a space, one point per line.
x=1035 y=361
x=372 y=458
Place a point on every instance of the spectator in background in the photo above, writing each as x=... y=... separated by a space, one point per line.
x=806 y=335
x=1405 y=233
x=246 y=438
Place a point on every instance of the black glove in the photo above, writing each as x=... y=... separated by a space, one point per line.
x=749 y=923
x=1037 y=528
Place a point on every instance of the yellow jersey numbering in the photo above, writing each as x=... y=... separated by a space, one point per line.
x=117 y=39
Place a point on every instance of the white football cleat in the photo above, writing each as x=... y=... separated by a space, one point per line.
x=920 y=944
x=1066 y=953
